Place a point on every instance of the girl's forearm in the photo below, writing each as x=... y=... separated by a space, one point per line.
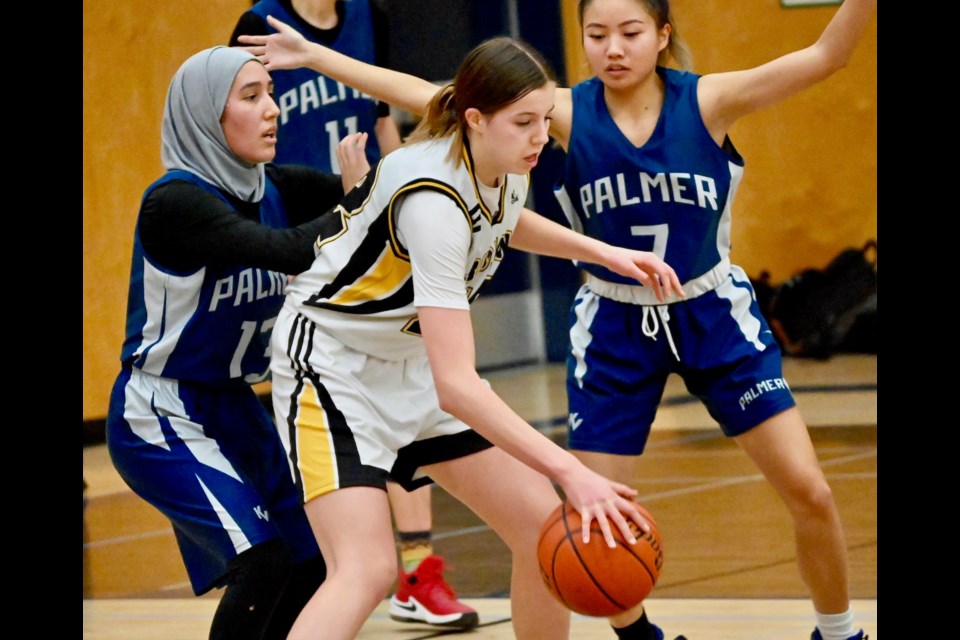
x=401 y=90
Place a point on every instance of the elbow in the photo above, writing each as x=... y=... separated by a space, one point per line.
x=826 y=68
x=837 y=64
x=452 y=396
x=832 y=59
x=448 y=399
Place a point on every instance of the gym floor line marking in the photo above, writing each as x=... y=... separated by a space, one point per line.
x=737 y=452
x=456 y=632
x=753 y=477
x=129 y=538
x=865 y=475
x=747 y=569
x=696 y=488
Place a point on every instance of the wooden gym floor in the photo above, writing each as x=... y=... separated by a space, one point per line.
x=729 y=571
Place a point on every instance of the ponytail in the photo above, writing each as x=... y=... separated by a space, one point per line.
x=441 y=120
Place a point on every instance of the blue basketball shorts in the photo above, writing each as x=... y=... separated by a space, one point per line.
x=621 y=355
x=211 y=461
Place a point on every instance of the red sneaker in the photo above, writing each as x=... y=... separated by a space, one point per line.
x=423 y=596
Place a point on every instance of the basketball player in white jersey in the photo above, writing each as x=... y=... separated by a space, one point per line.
x=373 y=353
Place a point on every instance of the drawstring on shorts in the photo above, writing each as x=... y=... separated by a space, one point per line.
x=651 y=325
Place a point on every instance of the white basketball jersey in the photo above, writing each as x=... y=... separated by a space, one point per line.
x=360 y=287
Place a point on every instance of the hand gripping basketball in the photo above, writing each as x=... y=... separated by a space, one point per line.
x=591 y=578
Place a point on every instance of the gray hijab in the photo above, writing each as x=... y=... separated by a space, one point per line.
x=191 y=135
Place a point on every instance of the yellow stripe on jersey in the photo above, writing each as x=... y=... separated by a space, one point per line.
x=391 y=271
x=315 y=452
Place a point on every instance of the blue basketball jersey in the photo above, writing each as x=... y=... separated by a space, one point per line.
x=317 y=112
x=671 y=196
x=211 y=325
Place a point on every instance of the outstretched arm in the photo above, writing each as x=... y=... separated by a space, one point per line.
x=536 y=234
x=288 y=49
x=725 y=97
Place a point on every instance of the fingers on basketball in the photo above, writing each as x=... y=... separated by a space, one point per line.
x=591 y=578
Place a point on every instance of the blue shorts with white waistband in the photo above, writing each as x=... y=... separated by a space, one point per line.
x=621 y=355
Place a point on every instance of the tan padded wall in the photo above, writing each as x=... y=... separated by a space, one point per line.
x=810 y=181
x=130 y=52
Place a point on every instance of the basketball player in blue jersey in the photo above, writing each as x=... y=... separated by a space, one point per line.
x=214 y=239
x=374 y=372
x=315 y=112
x=664 y=180
x=650 y=166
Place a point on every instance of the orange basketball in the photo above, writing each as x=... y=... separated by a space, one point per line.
x=593 y=579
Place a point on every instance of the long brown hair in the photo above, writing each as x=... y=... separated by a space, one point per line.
x=659 y=10
x=497 y=72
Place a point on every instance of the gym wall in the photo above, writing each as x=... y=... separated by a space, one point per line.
x=810 y=185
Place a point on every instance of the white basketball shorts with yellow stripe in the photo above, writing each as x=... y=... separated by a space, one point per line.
x=350 y=419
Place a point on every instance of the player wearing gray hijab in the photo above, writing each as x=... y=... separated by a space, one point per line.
x=192 y=138
x=214 y=242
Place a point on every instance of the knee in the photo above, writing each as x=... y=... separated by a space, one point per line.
x=373 y=575
x=267 y=564
x=382 y=574
x=814 y=499
x=254 y=582
x=308 y=575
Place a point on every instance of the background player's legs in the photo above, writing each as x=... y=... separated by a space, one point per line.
x=305 y=578
x=421 y=570
x=255 y=582
x=413 y=519
x=781 y=448
x=616 y=467
x=622 y=469
x=355 y=535
x=515 y=501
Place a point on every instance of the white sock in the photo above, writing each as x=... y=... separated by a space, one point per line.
x=836 y=626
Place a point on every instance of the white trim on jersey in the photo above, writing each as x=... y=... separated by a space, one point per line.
x=169 y=310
